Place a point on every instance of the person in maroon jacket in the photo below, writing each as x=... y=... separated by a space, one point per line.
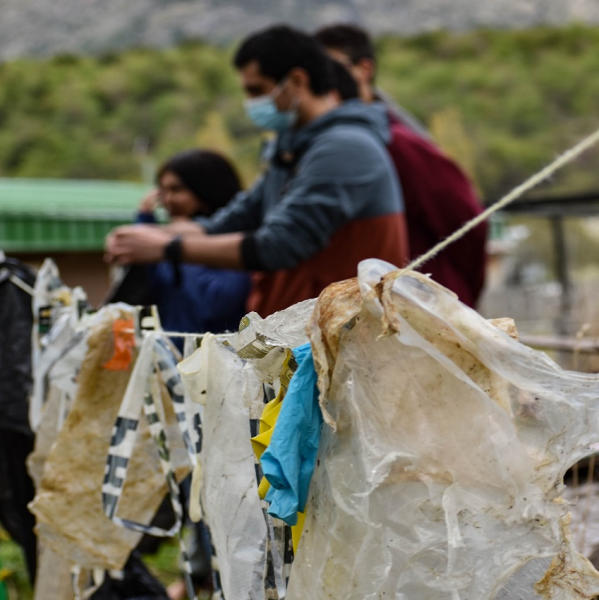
x=438 y=196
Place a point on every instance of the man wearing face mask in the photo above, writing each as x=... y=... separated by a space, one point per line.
x=328 y=200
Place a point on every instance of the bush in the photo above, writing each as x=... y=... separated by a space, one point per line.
x=521 y=96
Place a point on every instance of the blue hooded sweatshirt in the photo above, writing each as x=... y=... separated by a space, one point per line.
x=329 y=199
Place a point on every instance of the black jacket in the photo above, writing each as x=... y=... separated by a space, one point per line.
x=15 y=346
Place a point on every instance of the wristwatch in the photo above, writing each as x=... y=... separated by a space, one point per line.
x=173 y=253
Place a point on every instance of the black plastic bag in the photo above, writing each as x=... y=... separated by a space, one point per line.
x=137 y=584
x=16 y=320
x=16 y=438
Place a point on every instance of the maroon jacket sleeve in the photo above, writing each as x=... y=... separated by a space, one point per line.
x=439 y=199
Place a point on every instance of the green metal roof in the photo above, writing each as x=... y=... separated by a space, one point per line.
x=38 y=215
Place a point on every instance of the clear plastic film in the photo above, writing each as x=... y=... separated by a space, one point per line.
x=440 y=475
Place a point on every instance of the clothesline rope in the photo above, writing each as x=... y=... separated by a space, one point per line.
x=21 y=284
x=178 y=334
x=543 y=174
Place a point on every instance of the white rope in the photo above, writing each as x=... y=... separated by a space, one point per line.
x=20 y=283
x=561 y=161
x=180 y=334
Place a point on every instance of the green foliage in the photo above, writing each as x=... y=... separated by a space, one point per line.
x=13 y=570
x=524 y=96
x=520 y=97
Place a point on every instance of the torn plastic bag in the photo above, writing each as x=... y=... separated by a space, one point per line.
x=229 y=491
x=265 y=345
x=68 y=505
x=286 y=329
x=57 y=311
x=288 y=462
x=154 y=371
x=59 y=351
x=254 y=551
x=16 y=437
x=58 y=390
x=441 y=472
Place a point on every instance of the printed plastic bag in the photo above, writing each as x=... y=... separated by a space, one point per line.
x=226 y=377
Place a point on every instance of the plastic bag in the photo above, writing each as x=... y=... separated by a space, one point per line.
x=441 y=473
x=68 y=505
x=57 y=311
x=226 y=376
x=15 y=345
x=229 y=489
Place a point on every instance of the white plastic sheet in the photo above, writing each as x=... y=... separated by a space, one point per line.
x=229 y=489
x=441 y=473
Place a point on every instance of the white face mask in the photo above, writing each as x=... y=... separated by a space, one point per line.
x=264 y=112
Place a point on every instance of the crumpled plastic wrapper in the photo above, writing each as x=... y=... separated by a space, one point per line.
x=263 y=343
x=68 y=504
x=440 y=471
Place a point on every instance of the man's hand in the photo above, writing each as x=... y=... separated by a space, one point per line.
x=146 y=243
x=137 y=244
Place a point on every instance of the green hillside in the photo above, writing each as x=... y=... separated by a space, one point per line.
x=503 y=102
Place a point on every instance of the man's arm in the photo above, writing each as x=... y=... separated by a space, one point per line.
x=221 y=251
x=332 y=189
x=146 y=244
x=139 y=244
x=296 y=229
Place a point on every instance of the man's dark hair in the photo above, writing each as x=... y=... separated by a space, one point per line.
x=279 y=49
x=349 y=39
x=345 y=84
x=208 y=175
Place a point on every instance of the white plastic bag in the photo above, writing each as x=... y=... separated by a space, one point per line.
x=229 y=489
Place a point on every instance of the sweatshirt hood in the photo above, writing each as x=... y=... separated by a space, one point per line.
x=372 y=117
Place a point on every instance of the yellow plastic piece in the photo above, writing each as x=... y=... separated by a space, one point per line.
x=260 y=442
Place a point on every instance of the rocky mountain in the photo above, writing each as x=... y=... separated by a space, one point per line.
x=46 y=27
